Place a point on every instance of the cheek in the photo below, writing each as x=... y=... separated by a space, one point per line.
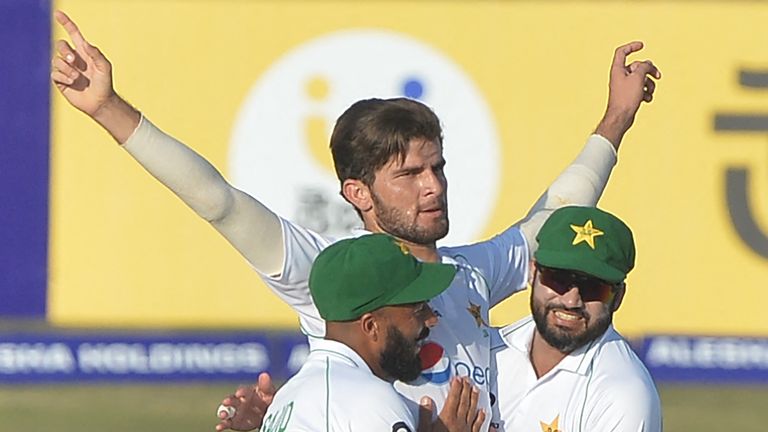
x=395 y=192
x=597 y=310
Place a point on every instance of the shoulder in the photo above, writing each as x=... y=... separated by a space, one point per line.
x=509 y=238
x=621 y=394
x=620 y=376
x=372 y=404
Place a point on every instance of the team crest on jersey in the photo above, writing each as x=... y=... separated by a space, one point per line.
x=435 y=366
x=476 y=313
x=551 y=427
x=400 y=427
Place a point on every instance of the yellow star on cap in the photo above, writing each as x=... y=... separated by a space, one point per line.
x=586 y=233
x=550 y=427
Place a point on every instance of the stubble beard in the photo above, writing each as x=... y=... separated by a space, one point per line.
x=393 y=221
x=563 y=340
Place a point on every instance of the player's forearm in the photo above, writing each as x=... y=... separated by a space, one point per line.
x=581 y=183
x=247 y=224
x=182 y=170
x=118 y=118
x=614 y=125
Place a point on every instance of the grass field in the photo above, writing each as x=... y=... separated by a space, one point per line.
x=190 y=408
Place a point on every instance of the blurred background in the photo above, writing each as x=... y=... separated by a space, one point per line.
x=120 y=309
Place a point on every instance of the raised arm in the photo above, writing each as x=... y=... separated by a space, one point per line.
x=583 y=182
x=83 y=75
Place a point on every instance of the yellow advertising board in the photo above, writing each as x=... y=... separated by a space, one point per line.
x=256 y=86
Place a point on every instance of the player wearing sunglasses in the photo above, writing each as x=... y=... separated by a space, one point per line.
x=565 y=368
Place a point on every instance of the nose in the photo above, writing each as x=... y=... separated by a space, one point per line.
x=431 y=318
x=572 y=298
x=433 y=182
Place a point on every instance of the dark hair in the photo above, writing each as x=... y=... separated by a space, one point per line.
x=372 y=131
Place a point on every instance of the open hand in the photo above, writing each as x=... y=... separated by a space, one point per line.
x=460 y=413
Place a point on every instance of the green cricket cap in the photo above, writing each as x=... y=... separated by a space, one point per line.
x=359 y=275
x=588 y=240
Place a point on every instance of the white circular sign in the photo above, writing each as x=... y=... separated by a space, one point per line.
x=279 y=151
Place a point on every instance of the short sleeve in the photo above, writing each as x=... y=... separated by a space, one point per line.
x=292 y=284
x=630 y=406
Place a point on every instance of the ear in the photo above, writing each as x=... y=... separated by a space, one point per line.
x=358 y=194
x=370 y=327
x=619 y=297
x=531 y=273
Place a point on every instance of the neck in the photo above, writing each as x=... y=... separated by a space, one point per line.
x=544 y=357
x=357 y=344
x=425 y=253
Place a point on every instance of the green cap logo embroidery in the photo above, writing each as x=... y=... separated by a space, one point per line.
x=586 y=233
x=602 y=246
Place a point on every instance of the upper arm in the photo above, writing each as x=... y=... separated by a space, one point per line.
x=632 y=406
x=254 y=230
x=580 y=183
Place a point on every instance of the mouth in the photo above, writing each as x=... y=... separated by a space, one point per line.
x=422 y=339
x=434 y=211
x=570 y=319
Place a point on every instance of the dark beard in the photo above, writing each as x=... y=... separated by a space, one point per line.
x=563 y=341
x=390 y=220
x=400 y=358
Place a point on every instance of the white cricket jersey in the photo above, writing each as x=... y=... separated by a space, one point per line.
x=335 y=391
x=460 y=344
x=601 y=386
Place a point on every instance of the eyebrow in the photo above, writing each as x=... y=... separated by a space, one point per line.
x=418 y=168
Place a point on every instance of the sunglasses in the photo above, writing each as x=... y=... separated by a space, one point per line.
x=590 y=288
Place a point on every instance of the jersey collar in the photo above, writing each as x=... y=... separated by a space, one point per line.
x=339 y=351
x=519 y=336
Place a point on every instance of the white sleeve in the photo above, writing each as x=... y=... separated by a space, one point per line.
x=246 y=223
x=503 y=262
x=581 y=183
x=291 y=283
x=627 y=407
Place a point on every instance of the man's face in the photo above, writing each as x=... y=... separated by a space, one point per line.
x=407 y=330
x=571 y=309
x=410 y=196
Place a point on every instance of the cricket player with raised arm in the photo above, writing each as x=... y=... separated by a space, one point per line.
x=388 y=156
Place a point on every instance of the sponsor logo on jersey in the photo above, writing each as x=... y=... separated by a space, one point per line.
x=438 y=368
x=435 y=366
